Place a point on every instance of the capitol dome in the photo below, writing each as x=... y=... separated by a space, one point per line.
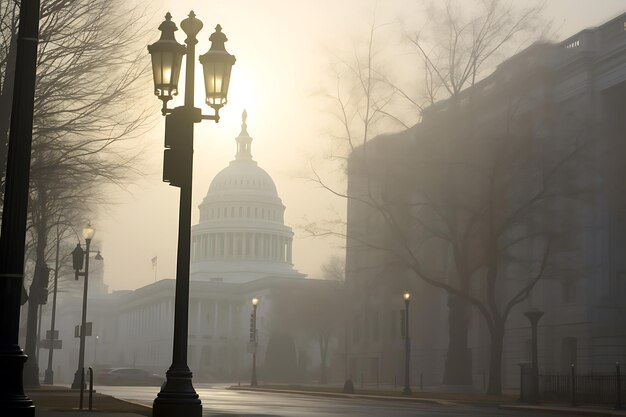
x=241 y=235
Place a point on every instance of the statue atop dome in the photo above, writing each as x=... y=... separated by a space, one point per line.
x=244 y=141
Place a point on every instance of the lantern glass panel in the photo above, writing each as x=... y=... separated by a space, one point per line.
x=214 y=82
x=166 y=70
x=88 y=232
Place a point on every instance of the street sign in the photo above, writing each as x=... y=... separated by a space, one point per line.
x=88 y=327
x=50 y=334
x=50 y=344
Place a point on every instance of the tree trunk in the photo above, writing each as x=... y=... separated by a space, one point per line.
x=31 y=368
x=323 y=354
x=458 y=366
x=495 y=360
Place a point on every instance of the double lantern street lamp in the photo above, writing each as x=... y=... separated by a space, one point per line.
x=407 y=346
x=80 y=259
x=177 y=395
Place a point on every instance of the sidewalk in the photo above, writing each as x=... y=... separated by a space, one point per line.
x=58 y=401
x=506 y=402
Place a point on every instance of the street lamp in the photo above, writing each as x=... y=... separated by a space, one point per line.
x=95 y=351
x=177 y=395
x=80 y=257
x=253 y=340
x=533 y=315
x=407 y=346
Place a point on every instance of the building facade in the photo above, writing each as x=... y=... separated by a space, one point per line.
x=568 y=91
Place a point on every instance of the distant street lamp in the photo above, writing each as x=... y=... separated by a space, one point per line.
x=254 y=341
x=533 y=316
x=407 y=346
x=177 y=396
x=49 y=375
x=80 y=257
x=95 y=347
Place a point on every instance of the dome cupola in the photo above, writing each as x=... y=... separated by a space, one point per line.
x=241 y=235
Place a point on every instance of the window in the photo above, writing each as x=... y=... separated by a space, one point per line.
x=375 y=329
x=356 y=328
x=568 y=291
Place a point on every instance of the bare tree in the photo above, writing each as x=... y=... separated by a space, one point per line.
x=334 y=269
x=89 y=69
x=468 y=222
x=314 y=314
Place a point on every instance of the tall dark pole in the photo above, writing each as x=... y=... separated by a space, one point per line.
x=533 y=316
x=49 y=376
x=178 y=396
x=79 y=375
x=13 y=401
x=407 y=349
x=253 y=378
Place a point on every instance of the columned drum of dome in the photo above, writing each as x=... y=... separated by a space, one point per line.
x=241 y=235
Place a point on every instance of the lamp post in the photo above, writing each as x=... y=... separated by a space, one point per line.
x=254 y=341
x=177 y=395
x=407 y=346
x=533 y=316
x=13 y=401
x=80 y=258
x=95 y=351
x=49 y=375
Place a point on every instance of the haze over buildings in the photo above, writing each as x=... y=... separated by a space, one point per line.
x=282 y=65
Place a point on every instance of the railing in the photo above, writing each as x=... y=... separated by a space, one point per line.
x=587 y=389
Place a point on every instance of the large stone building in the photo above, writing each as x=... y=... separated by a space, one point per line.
x=241 y=249
x=567 y=91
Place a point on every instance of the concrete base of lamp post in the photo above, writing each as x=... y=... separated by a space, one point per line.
x=177 y=397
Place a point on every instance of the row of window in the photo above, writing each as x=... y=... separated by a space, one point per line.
x=242 y=212
x=241 y=245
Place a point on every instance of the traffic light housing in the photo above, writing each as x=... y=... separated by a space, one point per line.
x=252 y=328
x=178 y=154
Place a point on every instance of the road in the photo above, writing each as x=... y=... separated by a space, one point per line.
x=219 y=401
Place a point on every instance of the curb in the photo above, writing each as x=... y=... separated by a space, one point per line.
x=562 y=410
x=133 y=403
x=339 y=395
x=511 y=407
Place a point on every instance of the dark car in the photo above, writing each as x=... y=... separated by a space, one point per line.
x=128 y=376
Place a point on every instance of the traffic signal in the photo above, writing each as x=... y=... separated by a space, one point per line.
x=39 y=291
x=178 y=154
x=252 y=328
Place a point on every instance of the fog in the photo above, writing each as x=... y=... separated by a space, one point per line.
x=284 y=61
x=401 y=197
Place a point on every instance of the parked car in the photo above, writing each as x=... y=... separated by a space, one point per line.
x=128 y=376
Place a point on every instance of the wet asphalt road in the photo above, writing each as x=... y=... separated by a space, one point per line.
x=219 y=401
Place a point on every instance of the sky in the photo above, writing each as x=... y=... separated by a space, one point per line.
x=284 y=52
